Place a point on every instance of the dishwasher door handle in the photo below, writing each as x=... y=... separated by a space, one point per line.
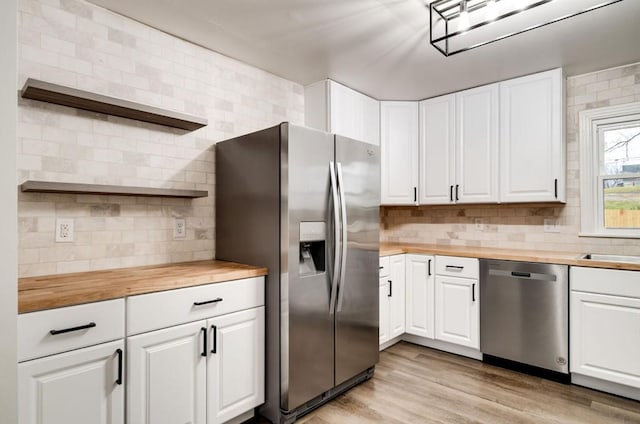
x=533 y=276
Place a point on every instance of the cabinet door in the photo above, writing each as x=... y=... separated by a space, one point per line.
x=477 y=145
x=76 y=387
x=458 y=311
x=605 y=337
x=385 y=323
x=531 y=138
x=353 y=115
x=235 y=373
x=437 y=142
x=419 y=296
x=399 y=153
x=167 y=376
x=396 y=304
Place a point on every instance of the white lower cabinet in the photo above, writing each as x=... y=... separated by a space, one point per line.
x=419 y=292
x=235 y=369
x=457 y=302
x=207 y=366
x=77 y=387
x=392 y=299
x=605 y=325
x=167 y=378
x=202 y=372
x=457 y=311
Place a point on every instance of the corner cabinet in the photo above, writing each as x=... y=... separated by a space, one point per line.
x=532 y=148
x=392 y=297
x=419 y=289
x=334 y=108
x=399 y=153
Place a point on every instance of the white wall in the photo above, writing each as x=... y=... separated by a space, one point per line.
x=8 y=212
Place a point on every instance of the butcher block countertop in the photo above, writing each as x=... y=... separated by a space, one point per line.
x=544 y=256
x=55 y=291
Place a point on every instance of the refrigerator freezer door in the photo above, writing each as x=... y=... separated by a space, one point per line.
x=307 y=325
x=356 y=322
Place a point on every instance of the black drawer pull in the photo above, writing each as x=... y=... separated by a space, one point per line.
x=206 y=302
x=215 y=339
x=454 y=268
x=119 y=380
x=521 y=274
x=69 y=330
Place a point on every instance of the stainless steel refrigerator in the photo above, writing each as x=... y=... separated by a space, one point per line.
x=305 y=204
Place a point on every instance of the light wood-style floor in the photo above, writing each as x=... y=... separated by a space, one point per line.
x=414 y=384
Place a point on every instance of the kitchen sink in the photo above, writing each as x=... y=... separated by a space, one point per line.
x=611 y=258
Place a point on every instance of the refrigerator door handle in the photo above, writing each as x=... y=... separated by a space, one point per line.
x=336 y=238
x=343 y=259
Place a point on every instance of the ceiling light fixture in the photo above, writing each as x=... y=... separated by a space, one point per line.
x=461 y=25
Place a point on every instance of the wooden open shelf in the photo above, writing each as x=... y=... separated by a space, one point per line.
x=77 y=188
x=67 y=96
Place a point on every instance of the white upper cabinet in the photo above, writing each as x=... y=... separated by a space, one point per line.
x=399 y=153
x=532 y=145
x=334 y=108
x=476 y=147
x=436 y=150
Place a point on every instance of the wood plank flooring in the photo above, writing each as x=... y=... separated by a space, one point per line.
x=414 y=384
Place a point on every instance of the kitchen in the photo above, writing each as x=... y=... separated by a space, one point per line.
x=81 y=45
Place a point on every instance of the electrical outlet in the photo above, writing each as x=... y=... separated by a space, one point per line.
x=179 y=228
x=551 y=226
x=64 y=230
x=478 y=224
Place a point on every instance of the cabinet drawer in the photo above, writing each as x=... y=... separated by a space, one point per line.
x=384 y=266
x=605 y=281
x=454 y=266
x=73 y=327
x=164 y=309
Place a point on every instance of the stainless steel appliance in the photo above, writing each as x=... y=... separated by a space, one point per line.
x=524 y=313
x=305 y=204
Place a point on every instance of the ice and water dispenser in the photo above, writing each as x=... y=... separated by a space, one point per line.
x=312 y=248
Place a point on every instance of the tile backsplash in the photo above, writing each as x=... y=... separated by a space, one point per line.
x=522 y=226
x=75 y=43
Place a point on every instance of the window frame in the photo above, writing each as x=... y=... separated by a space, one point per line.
x=592 y=124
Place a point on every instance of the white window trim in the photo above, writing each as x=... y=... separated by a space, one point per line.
x=590 y=121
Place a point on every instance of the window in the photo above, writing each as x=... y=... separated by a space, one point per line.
x=610 y=171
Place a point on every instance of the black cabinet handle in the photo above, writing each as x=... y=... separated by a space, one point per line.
x=390 y=288
x=204 y=341
x=215 y=339
x=451 y=193
x=457 y=186
x=453 y=268
x=119 y=380
x=206 y=302
x=69 y=330
x=473 y=292
x=555 y=187
x=429 y=267
x=415 y=194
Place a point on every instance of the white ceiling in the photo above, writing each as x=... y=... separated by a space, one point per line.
x=381 y=47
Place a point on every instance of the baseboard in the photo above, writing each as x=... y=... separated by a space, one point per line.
x=445 y=346
x=606 y=386
x=390 y=343
x=242 y=418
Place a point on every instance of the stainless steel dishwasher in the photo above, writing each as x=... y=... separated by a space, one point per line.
x=524 y=314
